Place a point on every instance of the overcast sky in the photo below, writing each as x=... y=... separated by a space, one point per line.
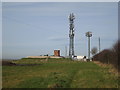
x=33 y=29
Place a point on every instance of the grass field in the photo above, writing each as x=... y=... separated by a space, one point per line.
x=57 y=73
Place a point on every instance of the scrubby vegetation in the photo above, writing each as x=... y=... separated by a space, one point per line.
x=110 y=56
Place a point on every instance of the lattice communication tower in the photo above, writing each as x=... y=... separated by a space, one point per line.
x=71 y=35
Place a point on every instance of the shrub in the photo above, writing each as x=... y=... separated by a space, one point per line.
x=110 y=56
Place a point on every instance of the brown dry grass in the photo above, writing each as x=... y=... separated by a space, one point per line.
x=111 y=68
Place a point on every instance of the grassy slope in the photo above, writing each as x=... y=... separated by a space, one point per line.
x=57 y=73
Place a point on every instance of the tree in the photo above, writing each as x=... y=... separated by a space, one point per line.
x=94 y=50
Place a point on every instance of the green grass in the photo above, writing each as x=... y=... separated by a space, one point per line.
x=57 y=73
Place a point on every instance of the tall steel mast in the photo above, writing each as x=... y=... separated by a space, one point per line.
x=89 y=34
x=71 y=35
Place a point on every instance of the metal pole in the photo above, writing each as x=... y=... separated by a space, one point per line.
x=99 y=44
x=65 y=51
x=89 y=34
x=88 y=47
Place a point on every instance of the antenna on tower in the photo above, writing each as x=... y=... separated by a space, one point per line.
x=71 y=36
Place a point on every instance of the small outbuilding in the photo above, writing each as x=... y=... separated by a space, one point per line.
x=80 y=58
x=57 y=53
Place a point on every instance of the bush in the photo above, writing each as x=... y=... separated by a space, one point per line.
x=110 y=56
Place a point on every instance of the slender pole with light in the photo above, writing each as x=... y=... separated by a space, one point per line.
x=89 y=34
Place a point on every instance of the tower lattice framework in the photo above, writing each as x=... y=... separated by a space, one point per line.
x=71 y=35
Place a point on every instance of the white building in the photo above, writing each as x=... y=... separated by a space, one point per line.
x=80 y=58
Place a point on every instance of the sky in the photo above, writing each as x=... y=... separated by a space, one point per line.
x=0 y=31
x=38 y=28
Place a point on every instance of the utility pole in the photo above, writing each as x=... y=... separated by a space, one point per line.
x=71 y=36
x=66 y=51
x=89 y=34
x=99 y=44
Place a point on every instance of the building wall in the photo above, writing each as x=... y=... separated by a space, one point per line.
x=56 y=52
